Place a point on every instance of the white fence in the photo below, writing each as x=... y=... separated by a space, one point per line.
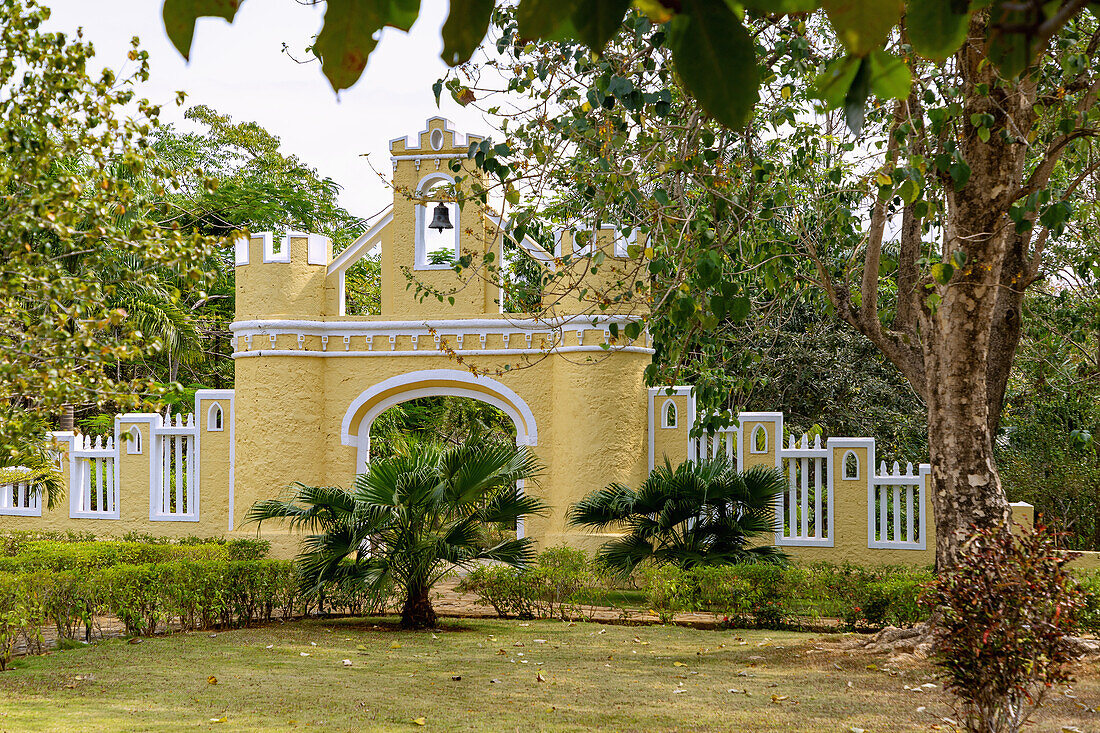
x=896 y=508
x=174 y=478
x=804 y=515
x=21 y=499
x=94 y=478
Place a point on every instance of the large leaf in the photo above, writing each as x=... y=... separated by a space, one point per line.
x=937 y=27
x=890 y=77
x=598 y=20
x=716 y=59
x=541 y=18
x=863 y=25
x=180 y=16
x=466 y=25
x=832 y=84
x=347 y=38
x=1009 y=50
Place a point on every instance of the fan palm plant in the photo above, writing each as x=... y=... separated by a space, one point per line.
x=410 y=519
x=698 y=513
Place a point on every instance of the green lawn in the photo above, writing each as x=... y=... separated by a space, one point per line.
x=596 y=676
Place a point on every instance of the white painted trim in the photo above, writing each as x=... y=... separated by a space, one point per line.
x=457 y=325
x=434 y=352
x=240 y=251
x=528 y=245
x=844 y=466
x=457 y=139
x=665 y=423
x=506 y=399
x=758 y=430
x=210 y=424
x=651 y=411
x=318 y=249
x=420 y=213
x=269 y=248
x=133 y=443
x=363 y=244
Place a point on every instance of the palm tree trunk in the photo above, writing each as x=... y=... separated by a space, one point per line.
x=417 y=613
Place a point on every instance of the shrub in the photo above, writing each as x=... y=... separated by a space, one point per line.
x=555 y=586
x=1000 y=617
x=21 y=617
x=1089 y=615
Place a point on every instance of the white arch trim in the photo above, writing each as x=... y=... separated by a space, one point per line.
x=458 y=384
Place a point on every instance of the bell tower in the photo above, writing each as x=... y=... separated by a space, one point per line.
x=436 y=225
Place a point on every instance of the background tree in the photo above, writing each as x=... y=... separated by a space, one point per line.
x=70 y=245
x=960 y=169
x=894 y=229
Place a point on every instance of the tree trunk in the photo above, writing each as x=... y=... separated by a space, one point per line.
x=417 y=613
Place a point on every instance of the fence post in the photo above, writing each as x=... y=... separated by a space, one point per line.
x=134 y=438
x=671 y=417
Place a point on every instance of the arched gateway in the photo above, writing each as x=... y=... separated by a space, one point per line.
x=310 y=380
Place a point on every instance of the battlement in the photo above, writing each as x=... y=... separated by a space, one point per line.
x=437 y=141
x=265 y=247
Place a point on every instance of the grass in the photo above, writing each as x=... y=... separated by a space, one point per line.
x=596 y=676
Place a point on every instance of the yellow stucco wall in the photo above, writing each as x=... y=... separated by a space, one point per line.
x=301 y=366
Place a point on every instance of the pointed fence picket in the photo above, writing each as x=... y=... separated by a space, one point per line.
x=898 y=516
x=20 y=499
x=174 y=478
x=804 y=513
x=94 y=484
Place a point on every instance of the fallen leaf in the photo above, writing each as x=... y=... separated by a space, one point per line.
x=494 y=682
x=854 y=729
x=347 y=662
x=269 y=646
x=539 y=677
x=420 y=721
x=211 y=680
x=456 y=677
x=678 y=689
x=779 y=698
x=135 y=640
x=678 y=664
x=313 y=643
x=222 y=719
x=518 y=643
x=501 y=652
x=395 y=645
x=303 y=654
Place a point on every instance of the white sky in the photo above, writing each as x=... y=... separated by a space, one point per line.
x=241 y=70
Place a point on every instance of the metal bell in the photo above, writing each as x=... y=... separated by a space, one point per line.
x=441 y=218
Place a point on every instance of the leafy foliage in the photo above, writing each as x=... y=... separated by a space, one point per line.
x=1000 y=616
x=698 y=513
x=77 y=248
x=712 y=47
x=556 y=585
x=410 y=519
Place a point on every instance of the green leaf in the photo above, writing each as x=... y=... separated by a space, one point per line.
x=739 y=308
x=960 y=174
x=909 y=190
x=942 y=272
x=890 y=77
x=715 y=57
x=347 y=38
x=856 y=98
x=937 y=27
x=180 y=16
x=863 y=25
x=1009 y=51
x=542 y=18
x=597 y=21
x=832 y=84
x=466 y=25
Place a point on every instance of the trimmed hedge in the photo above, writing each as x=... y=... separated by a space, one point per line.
x=772 y=596
x=84 y=555
x=558 y=585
